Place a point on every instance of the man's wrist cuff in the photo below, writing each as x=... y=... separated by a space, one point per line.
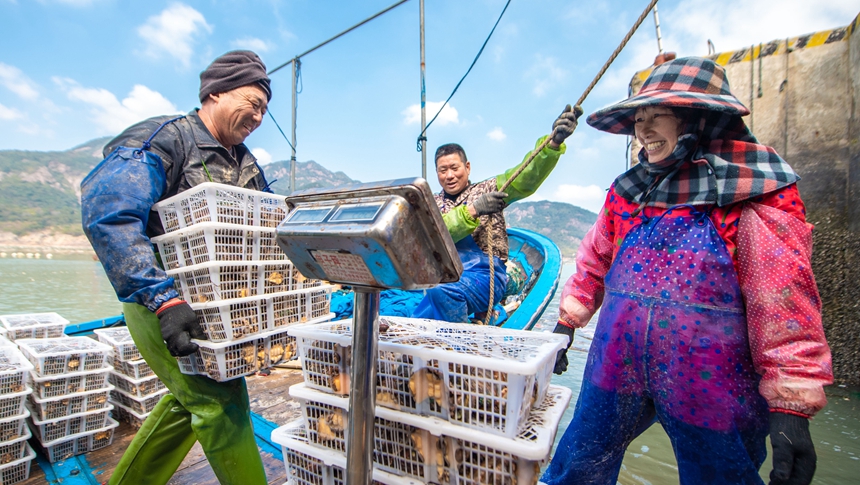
x=169 y=303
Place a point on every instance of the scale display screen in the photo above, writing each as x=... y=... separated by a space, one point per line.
x=310 y=214
x=356 y=213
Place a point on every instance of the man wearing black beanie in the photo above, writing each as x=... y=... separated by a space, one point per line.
x=178 y=153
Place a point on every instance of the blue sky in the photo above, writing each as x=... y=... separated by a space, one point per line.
x=73 y=70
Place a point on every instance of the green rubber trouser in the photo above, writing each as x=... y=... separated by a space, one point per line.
x=217 y=414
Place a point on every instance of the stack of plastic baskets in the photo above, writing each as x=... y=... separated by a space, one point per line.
x=15 y=453
x=135 y=396
x=456 y=403
x=33 y=325
x=220 y=246
x=69 y=408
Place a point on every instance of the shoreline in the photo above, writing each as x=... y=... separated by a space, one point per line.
x=42 y=243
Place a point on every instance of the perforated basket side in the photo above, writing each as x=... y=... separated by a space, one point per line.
x=310 y=465
x=123 y=413
x=13 y=427
x=18 y=470
x=59 y=385
x=135 y=369
x=142 y=405
x=13 y=404
x=211 y=241
x=426 y=449
x=14 y=449
x=81 y=443
x=13 y=370
x=137 y=387
x=70 y=404
x=54 y=429
x=65 y=355
x=120 y=339
x=210 y=202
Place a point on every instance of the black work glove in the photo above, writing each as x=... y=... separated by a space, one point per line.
x=561 y=357
x=178 y=326
x=565 y=123
x=793 y=453
x=489 y=203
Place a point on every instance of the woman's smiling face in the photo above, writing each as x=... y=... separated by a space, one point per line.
x=657 y=129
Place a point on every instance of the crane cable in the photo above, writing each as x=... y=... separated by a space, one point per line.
x=524 y=165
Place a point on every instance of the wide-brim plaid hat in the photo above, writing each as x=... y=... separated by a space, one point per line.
x=689 y=82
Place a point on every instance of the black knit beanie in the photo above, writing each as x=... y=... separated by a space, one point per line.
x=232 y=70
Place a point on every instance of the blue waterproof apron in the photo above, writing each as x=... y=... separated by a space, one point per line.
x=670 y=345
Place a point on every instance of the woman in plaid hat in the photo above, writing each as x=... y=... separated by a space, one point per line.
x=710 y=320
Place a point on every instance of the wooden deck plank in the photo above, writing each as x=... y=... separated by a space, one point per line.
x=269 y=398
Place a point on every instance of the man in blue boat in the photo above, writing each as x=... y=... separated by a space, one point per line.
x=474 y=217
x=150 y=161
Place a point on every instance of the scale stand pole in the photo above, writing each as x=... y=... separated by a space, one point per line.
x=362 y=395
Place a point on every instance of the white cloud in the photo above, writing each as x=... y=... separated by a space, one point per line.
x=263 y=157
x=252 y=43
x=9 y=113
x=14 y=80
x=448 y=115
x=590 y=197
x=546 y=73
x=497 y=134
x=173 y=32
x=695 y=21
x=112 y=115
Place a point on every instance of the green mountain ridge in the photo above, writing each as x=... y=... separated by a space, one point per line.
x=40 y=191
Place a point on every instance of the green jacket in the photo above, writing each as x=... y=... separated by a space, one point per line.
x=461 y=224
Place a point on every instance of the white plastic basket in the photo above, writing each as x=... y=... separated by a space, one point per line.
x=14 y=450
x=80 y=443
x=307 y=464
x=122 y=413
x=18 y=470
x=13 y=427
x=119 y=338
x=59 y=385
x=140 y=405
x=211 y=202
x=213 y=281
x=223 y=361
x=431 y=450
x=13 y=404
x=137 y=387
x=65 y=355
x=69 y=404
x=230 y=320
x=33 y=325
x=13 y=370
x=480 y=377
x=214 y=241
x=54 y=429
x=134 y=369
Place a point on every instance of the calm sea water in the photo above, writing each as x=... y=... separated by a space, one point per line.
x=76 y=288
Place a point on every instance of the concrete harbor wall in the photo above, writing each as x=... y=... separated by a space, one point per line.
x=804 y=98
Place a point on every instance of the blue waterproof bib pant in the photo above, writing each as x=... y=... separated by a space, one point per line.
x=670 y=346
x=454 y=302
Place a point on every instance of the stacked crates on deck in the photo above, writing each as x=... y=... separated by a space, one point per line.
x=69 y=408
x=33 y=325
x=15 y=453
x=456 y=403
x=220 y=247
x=138 y=389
